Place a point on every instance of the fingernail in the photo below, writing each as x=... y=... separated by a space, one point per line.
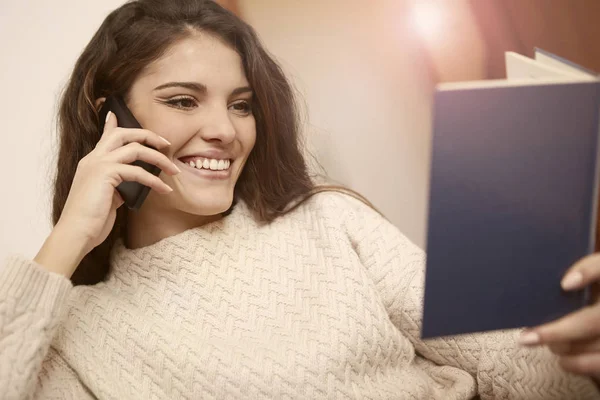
x=177 y=168
x=170 y=188
x=529 y=338
x=166 y=141
x=572 y=280
x=107 y=116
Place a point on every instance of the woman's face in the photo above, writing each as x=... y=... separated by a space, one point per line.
x=198 y=98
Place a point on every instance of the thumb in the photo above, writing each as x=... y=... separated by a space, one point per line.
x=117 y=200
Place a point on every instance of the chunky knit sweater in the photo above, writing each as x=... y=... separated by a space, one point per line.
x=324 y=302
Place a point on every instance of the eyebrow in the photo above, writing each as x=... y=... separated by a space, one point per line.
x=199 y=87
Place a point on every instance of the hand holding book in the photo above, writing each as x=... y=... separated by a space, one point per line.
x=575 y=338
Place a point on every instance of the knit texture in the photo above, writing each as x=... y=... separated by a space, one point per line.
x=324 y=302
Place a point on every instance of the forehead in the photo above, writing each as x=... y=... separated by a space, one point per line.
x=200 y=58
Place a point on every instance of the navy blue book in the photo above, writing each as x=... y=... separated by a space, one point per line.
x=512 y=197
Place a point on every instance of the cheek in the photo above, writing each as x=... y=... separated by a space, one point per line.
x=176 y=133
x=247 y=135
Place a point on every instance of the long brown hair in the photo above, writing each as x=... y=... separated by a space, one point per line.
x=140 y=32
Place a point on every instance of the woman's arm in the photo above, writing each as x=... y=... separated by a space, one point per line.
x=503 y=369
x=31 y=307
x=57 y=380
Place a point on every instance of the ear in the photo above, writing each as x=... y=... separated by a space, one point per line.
x=99 y=102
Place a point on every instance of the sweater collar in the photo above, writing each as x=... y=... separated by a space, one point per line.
x=189 y=245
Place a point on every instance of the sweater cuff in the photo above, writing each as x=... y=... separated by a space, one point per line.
x=33 y=286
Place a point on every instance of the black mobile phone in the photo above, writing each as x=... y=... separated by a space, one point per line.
x=133 y=193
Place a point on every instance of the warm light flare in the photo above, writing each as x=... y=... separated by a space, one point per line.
x=427 y=17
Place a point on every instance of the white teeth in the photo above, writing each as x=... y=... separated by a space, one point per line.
x=212 y=164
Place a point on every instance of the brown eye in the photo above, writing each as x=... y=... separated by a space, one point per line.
x=242 y=107
x=182 y=102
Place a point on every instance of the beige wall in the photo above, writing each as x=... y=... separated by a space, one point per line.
x=367 y=93
x=39 y=43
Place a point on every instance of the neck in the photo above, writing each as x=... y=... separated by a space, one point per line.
x=150 y=224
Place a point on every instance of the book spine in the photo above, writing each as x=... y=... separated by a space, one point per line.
x=587 y=295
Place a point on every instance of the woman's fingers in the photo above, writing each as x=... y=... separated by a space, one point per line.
x=135 y=151
x=114 y=137
x=119 y=137
x=132 y=173
x=585 y=364
x=573 y=348
x=582 y=273
x=110 y=122
x=580 y=325
x=117 y=200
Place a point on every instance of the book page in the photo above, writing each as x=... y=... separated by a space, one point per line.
x=521 y=67
x=497 y=83
x=524 y=71
x=556 y=62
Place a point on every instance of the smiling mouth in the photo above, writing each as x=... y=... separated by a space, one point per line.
x=208 y=164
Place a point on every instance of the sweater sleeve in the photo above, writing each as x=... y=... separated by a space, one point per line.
x=503 y=369
x=32 y=302
x=57 y=380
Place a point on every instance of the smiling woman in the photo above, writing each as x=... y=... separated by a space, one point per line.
x=234 y=279
x=207 y=86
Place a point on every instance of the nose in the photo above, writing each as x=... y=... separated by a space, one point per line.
x=217 y=126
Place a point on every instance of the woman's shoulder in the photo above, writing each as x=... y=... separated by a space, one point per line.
x=343 y=206
x=356 y=219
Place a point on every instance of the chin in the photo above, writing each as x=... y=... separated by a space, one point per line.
x=205 y=202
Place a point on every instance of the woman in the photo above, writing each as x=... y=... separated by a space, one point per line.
x=234 y=280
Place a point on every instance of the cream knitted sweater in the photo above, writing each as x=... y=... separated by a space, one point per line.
x=322 y=303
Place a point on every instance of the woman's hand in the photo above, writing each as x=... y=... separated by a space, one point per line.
x=575 y=338
x=91 y=207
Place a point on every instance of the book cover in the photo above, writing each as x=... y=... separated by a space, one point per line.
x=512 y=203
